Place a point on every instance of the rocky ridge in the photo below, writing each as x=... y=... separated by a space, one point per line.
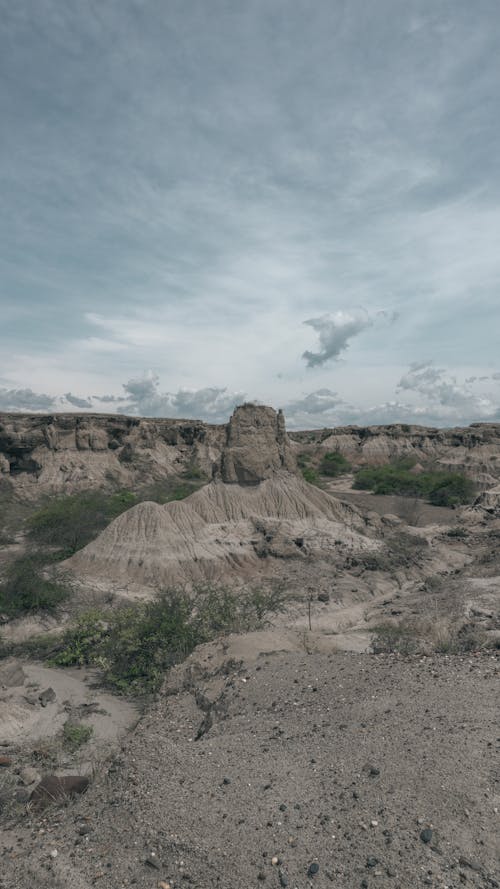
x=56 y=453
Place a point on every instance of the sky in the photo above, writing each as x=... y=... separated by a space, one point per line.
x=281 y=201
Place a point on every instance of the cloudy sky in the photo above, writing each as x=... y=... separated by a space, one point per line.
x=286 y=201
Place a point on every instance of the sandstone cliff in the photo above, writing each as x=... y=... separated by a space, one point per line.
x=59 y=453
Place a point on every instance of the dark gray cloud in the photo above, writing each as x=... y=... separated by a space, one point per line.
x=334 y=332
x=76 y=401
x=25 y=400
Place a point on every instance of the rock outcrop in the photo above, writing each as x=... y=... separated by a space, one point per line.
x=65 y=453
x=68 y=453
x=256 y=447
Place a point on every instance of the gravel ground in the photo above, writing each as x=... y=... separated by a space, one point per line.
x=322 y=770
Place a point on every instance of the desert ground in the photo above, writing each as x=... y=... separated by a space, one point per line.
x=350 y=740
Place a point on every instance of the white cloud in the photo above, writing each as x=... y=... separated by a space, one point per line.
x=144 y=398
x=444 y=390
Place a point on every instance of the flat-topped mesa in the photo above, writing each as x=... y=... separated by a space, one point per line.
x=257 y=446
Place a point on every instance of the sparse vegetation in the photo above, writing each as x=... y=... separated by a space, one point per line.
x=439 y=487
x=27 y=588
x=442 y=636
x=66 y=524
x=392 y=638
x=334 y=464
x=76 y=734
x=459 y=533
x=135 y=645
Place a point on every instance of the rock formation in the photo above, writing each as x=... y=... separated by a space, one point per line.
x=257 y=446
x=64 y=453
x=256 y=506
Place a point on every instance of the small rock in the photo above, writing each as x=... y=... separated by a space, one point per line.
x=5 y=761
x=374 y=823
x=152 y=861
x=29 y=776
x=426 y=835
x=226 y=781
x=54 y=789
x=54 y=853
x=374 y=771
x=371 y=861
x=323 y=597
x=163 y=885
x=275 y=860
x=313 y=869
x=472 y=865
x=47 y=696
x=283 y=878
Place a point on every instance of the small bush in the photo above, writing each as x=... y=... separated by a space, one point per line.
x=334 y=464
x=394 y=639
x=81 y=644
x=310 y=475
x=459 y=533
x=26 y=589
x=76 y=734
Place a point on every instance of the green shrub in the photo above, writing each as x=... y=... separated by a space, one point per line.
x=334 y=464
x=310 y=475
x=134 y=646
x=82 y=643
x=26 y=589
x=450 y=489
x=69 y=523
x=439 y=487
x=76 y=734
x=457 y=532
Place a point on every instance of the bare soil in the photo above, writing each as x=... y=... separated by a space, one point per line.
x=342 y=769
